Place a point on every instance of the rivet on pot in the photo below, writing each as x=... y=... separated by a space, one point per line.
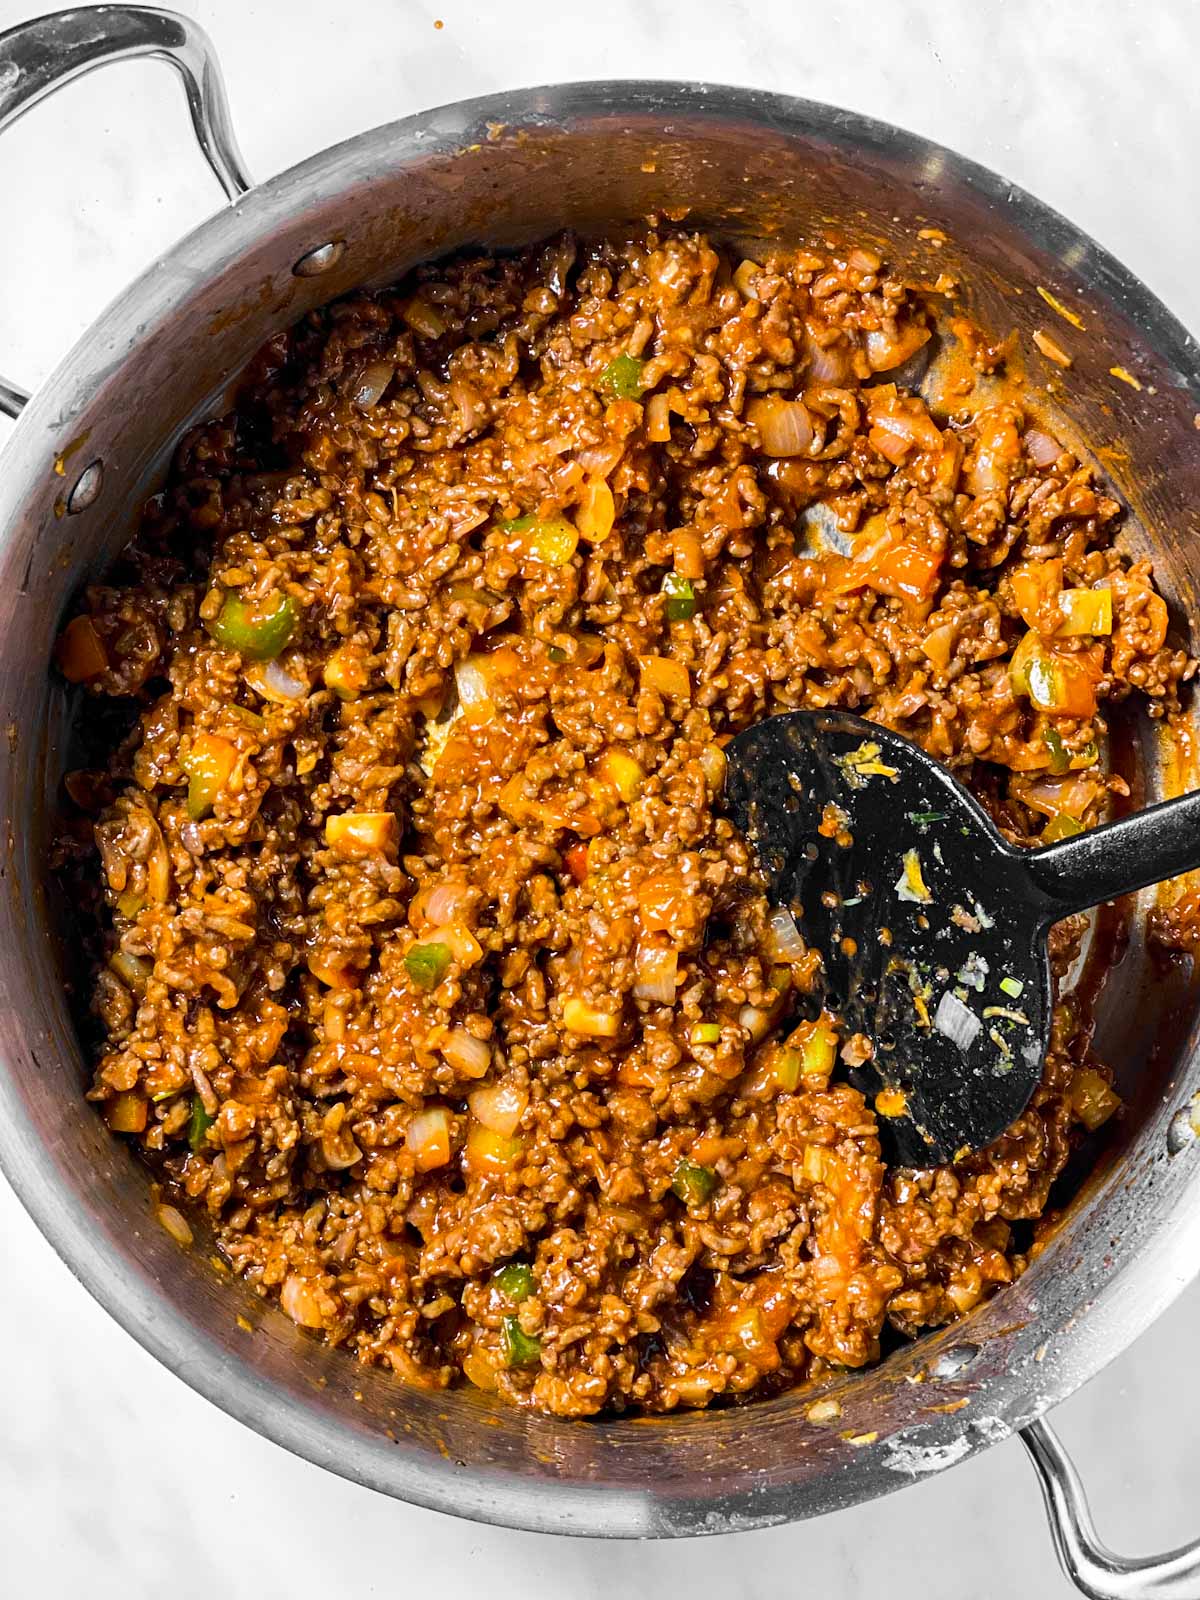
x=87 y=488
x=1184 y=1128
x=955 y=1360
x=320 y=260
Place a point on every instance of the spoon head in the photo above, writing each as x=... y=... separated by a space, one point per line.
x=932 y=938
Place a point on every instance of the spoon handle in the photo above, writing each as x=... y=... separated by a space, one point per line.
x=1146 y=847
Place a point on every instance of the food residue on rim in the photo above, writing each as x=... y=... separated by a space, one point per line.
x=1063 y=311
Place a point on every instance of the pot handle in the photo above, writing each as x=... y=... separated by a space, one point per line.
x=38 y=57
x=1091 y=1566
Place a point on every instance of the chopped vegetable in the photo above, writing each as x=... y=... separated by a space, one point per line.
x=422 y=318
x=346 y=673
x=1058 y=684
x=596 y=512
x=705 y=1033
x=785 y=1069
x=463 y=1050
x=1036 y=587
x=427 y=963
x=863 y=763
x=333 y=973
x=680 y=603
x=689 y=554
x=490 y=1152
x=911 y=883
x=623 y=772
x=198 y=1123
x=692 y=1183
x=1063 y=311
x=127 y=1111
x=428 y=1138
x=552 y=540
x=818 y=1052
x=667 y=677
x=957 y=1021
x=1013 y=987
x=80 y=651
x=521 y=1349
x=357 y=834
x=744 y=275
x=474 y=692
x=922 y=817
x=714 y=762
x=499 y=1106
x=1092 y=1099
x=516 y=1281
x=784 y=426
x=1006 y=1014
x=622 y=378
x=589 y=1021
x=656 y=969
x=786 y=939
x=1085 y=611
x=208 y=765
x=658 y=419
x=1060 y=760
x=299 y=1299
x=1060 y=827
x=576 y=861
x=258 y=630
x=906 y=571
x=274 y=682
x=1051 y=348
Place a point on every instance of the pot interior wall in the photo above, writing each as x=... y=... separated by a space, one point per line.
x=505 y=172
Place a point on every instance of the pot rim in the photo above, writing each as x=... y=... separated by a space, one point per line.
x=1148 y=1280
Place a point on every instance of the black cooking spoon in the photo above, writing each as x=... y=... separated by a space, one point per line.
x=932 y=928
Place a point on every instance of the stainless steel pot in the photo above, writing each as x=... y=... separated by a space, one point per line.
x=92 y=443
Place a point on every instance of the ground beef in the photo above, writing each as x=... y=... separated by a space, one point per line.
x=425 y=960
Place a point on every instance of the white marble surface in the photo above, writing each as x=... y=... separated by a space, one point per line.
x=116 y=1480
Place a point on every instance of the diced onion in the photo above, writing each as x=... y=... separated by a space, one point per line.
x=464 y=1051
x=785 y=426
x=828 y=363
x=596 y=511
x=885 y=351
x=744 y=276
x=588 y=1021
x=499 y=1106
x=428 y=1137
x=756 y=1022
x=939 y=644
x=785 y=936
x=272 y=680
x=1085 y=611
x=176 y=1225
x=374 y=381
x=472 y=685
x=1092 y=1099
x=1041 y=449
x=957 y=1021
x=667 y=676
x=656 y=973
x=461 y=943
x=658 y=419
x=714 y=762
x=444 y=903
x=298 y=1297
x=339 y=1150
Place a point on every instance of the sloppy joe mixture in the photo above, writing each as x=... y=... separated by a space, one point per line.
x=426 y=965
